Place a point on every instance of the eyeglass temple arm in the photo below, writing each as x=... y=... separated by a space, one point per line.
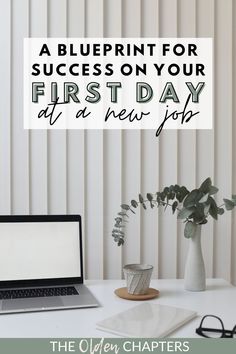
x=203 y=329
x=211 y=329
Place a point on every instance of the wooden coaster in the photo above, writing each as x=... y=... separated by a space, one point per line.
x=123 y=293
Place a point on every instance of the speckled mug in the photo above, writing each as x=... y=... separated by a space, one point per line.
x=138 y=278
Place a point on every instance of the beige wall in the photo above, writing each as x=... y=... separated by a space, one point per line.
x=91 y=172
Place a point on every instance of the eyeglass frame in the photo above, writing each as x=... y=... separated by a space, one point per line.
x=225 y=333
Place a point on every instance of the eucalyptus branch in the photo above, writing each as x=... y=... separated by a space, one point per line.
x=162 y=203
x=193 y=207
x=171 y=205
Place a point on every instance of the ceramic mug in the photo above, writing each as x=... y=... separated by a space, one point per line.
x=138 y=278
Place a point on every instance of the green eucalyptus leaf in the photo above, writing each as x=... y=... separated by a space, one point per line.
x=213 y=211
x=134 y=203
x=166 y=190
x=174 y=206
x=149 y=197
x=204 y=198
x=121 y=213
x=204 y=221
x=176 y=188
x=206 y=185
x=213 y=190
x=117 y=231
x=185 y=213
x=183 y=193
x=158 y=198
x=163 y=196
x=144 y=206
x=206 y=209
x=171 y=195
x=184 y=189
x=120 y=242
x=229 y=204
x=189 y=229
x=234 y=199
x=119 y=225
x=198 y=214
x=118 y=219
x=178 y=196
x=192 y=198
x=125 y=206
x=220 y=211
x=140 y=198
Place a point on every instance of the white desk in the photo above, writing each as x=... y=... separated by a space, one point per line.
x=218 y=299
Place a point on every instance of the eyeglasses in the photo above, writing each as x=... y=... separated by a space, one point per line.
x=212 y=327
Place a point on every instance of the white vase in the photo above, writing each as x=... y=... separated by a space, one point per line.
x=195 y=276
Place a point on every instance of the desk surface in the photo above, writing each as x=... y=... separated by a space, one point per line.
x=218 y=299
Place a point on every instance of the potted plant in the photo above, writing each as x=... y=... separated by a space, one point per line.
x=193 y=208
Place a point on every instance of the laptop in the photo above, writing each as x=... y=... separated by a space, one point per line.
x=41 y=265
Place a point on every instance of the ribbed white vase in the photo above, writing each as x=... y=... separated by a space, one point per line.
x=195 y=276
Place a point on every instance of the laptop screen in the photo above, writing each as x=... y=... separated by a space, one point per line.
x=39 y=250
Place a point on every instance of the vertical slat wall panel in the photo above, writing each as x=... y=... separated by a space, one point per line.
x=76 y=18
x=233 y=248
x=223 y=132
x=112 y=160
x=205 y=138
x=75 y=143
x=94 y=167
x=91 y=172
x=75 y=138
x=20 y=137
x=5 y=107
x=168 y=164
x=57 y=142
x=187 y=138
x=132 y=147
x=150 y=157
x=38 y=138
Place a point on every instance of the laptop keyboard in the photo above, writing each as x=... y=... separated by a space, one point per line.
x=38 y=292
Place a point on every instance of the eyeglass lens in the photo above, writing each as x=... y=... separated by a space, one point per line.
x=211 y=322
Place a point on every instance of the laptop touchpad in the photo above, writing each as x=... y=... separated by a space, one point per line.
x=32 y=303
